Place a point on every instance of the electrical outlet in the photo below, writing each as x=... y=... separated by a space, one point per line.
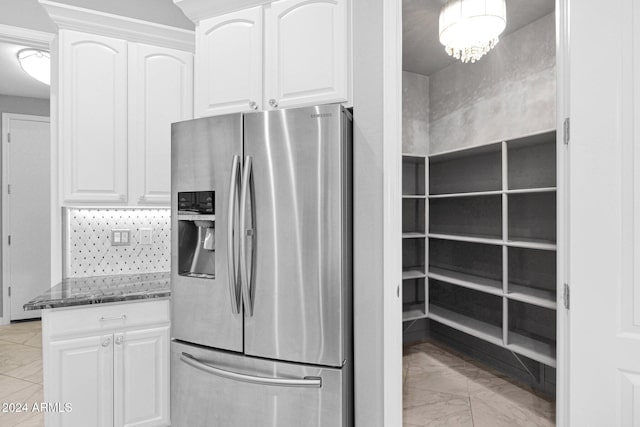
x=120 y=237
x=146 y=235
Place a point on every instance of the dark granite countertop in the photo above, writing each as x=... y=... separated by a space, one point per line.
x=102 y=289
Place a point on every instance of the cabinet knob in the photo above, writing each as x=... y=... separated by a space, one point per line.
x=118 y=340
x=273 y=103
x=106 y=342
x=253 y=105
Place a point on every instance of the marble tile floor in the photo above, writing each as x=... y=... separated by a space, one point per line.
x=443 y=388
x=21 y=372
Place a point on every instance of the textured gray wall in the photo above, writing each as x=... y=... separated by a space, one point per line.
x=415 y=113
x=508 y=93
x=16 y=104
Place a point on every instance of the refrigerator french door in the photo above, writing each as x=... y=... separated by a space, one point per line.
x=261 y=278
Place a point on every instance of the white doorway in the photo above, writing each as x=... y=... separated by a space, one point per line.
x=26 y=218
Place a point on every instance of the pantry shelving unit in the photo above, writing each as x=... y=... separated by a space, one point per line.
x=487 y=265
x=414 y=236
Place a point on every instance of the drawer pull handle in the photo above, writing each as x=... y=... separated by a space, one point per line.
x=309 y=382
x=106 y=342
x=106 y=319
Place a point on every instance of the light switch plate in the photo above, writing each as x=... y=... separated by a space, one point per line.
x=120 y=237
x=146 y=235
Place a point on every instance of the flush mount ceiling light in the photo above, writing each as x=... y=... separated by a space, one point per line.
x=470 y=28
x=36 y=63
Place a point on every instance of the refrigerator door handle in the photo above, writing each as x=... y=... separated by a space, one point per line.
x=231 y=262
x=246 y=234
x=306 y=382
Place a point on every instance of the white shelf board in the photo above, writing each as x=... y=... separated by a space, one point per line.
x=413 y=235
x=413 y=314
x=531 y=348
x=470 y=194
x=532 y=296
x=493 y=193
x=420 y=156
x=472 y=239
x=196 y=217
x=413 y=273
x=532 y=244
x=490 y=286
x=414 y=196
x=468 y=325
x=532 y=190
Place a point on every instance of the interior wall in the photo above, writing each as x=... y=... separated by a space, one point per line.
x=20 y=105
x=510 y=92
x=415 y=113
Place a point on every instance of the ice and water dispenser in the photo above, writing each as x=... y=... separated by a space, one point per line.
x=196 y=234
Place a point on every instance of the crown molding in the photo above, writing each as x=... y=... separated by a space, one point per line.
x=19 y=35
x=69 y=17
x=197 y=10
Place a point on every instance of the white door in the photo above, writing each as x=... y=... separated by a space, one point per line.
x=93 y=118
x=79 y=371
x=26 y=222
x=306 y=52
x=604 y=214
x=160 y=93
x=142 y=378
x=228 y=67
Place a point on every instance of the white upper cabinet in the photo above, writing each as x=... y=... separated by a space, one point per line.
x=160 y=93
x=228 y=75
x=307 y=52
x=93 y=117
x=306 y=47
x=118 y=100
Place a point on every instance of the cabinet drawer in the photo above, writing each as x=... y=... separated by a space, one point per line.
x=105 y=317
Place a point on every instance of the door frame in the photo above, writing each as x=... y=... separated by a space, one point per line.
x=41 y=40
x=6 y=120
x=393 y=320
x=563 y=187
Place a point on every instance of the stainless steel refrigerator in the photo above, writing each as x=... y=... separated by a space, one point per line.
x=261 y=269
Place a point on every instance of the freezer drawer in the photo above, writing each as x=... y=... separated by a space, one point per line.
x=220 y=389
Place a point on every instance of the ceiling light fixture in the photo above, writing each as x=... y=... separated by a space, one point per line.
x=470 y=28
x=36 y=63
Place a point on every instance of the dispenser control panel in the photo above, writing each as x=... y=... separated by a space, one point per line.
x=203 y=202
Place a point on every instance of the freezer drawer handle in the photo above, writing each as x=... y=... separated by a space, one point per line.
x=309 y=382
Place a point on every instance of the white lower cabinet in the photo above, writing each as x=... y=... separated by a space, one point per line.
x=80 y=374
x=141 y=381
x=111 y=368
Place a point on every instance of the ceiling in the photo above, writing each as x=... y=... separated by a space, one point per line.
x=14 y=81
x=422 y=52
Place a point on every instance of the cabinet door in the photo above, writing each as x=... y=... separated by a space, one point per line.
x=79 y=372
x=306 y=52
x=160 y=93
x=142 y=378
x=93 y=115
x=228 y=68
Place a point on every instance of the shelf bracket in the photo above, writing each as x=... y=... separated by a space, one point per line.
x=566 y=296
x=526 y=368
x=409 y=327
x=566 y=130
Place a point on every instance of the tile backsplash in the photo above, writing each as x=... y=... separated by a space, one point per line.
x=87 y=239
